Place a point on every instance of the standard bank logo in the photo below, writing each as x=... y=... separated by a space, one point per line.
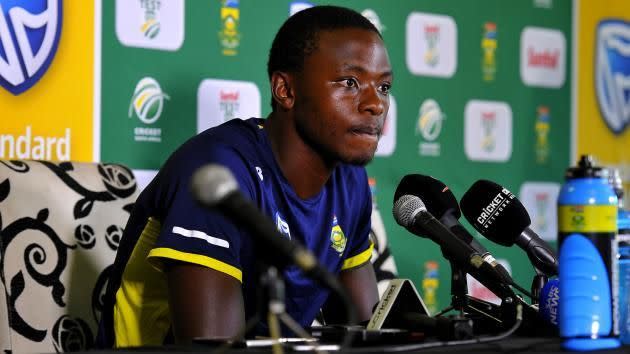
x=488 y=131
x=612 y=73
x=155 y=24
x=221 y=100
x=431 y=44
x=29 y=37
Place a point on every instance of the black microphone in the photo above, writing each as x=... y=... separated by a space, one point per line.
x=441 y=203
x=498 y=215
x=411 y=213
x=214 y=186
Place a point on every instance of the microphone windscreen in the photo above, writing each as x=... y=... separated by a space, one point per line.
x=211 y=184
x=495 y=212
x=549 y=301
x=437 y=197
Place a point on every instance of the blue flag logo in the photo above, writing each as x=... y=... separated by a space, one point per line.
x=29 y=37
x=612 y=73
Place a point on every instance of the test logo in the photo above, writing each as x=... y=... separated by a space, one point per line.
x=29 y=37
x=488 y=131
x=431 y=44
x=221 y=100
x=539 y=198
x=153 y=24
x=543 y=57
x=612 y=73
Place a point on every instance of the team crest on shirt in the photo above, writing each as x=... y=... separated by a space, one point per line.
x=337 y=237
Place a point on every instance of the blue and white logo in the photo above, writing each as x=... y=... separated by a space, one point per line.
x=282 y=225
x=29 y=36
x=612 y=73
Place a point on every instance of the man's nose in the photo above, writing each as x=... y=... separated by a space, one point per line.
x=372 y=101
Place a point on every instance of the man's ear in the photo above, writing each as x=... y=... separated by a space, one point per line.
x=282 y=90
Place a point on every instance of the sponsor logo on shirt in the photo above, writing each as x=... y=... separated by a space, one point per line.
x=337 y=237
x=29 y=37
x=282 y=225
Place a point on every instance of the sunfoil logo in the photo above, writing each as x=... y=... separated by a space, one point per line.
x=29 y=37
x=612 y=73
x=147 y=101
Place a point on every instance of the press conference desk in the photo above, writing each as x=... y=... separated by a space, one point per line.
x=509 y=345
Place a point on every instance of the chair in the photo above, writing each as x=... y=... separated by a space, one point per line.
x=60 y=226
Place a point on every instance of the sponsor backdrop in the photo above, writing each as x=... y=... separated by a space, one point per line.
x=482 y=90
x=603 y=83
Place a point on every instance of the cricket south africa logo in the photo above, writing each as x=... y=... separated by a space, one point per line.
x=612 y=73
x=147 y=101
x=29 y=37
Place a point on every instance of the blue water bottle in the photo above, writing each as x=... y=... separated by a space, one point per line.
x=587 y=205
x=623 y=223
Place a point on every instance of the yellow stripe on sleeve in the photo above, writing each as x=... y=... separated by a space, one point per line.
x=193 y=258
x=359 y=259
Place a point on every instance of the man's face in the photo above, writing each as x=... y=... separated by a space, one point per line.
x=342 y=95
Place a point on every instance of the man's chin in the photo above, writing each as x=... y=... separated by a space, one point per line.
x=361 y=160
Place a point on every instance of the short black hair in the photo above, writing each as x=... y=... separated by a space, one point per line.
x=297 y=38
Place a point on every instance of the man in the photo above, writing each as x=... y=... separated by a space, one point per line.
x=187 y=272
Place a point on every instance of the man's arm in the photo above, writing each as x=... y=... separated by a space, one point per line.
x=360 y=283
x=203 y=302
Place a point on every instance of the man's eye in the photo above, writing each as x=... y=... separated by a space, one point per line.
x=350 y=83
x=385 y=88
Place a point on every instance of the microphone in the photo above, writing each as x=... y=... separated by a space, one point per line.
x=411 y=213
x=441 y=203
x=498 y=215
x=214 y=186
x=549 y=301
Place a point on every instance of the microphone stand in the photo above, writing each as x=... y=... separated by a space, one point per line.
x=273 y=286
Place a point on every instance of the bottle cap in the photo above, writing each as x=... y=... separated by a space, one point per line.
x=585 y=169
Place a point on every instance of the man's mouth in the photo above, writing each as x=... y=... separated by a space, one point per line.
x=368 y=131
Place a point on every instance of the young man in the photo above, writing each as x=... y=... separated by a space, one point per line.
x=183 y=272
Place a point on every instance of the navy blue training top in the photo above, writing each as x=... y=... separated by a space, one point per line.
x=167 y=223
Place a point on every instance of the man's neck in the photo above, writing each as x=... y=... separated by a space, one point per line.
x=305 y=169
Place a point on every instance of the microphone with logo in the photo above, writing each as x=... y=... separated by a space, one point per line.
x=214 y=186
x=441 y=203
x=499 y=216
x=411 y=213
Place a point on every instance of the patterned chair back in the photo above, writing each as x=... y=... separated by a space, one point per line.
x=60 y=226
